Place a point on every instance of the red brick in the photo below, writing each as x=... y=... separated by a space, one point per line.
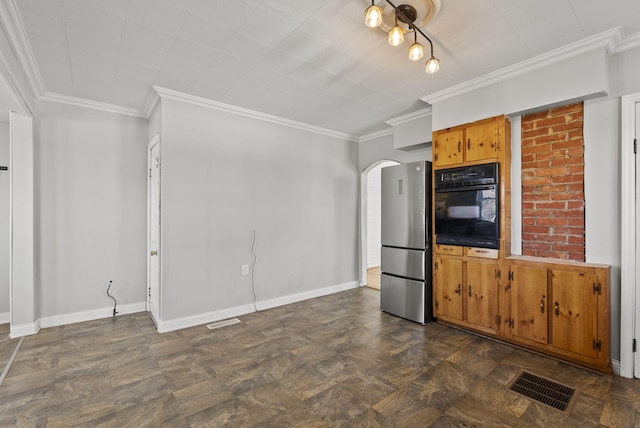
x=577 y=187
x=568 y=144
x=577 y=257
x=528 y=150
x=566 y=161
x=551 y=221
x=550 y=121
x=576 y=222
x=535 y=181
x=545 y=172
x=562 y=197
x=528 y=158
x=575 y=178
x=575 y=169
x=576 y=240
x=534 y=133
x=550 y=205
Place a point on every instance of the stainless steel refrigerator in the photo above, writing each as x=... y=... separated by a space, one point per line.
x=405 y=284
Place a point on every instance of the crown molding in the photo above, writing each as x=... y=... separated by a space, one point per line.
x=95 y=105
x=150 y=103
x=13 y=26
x=376 y=135
x=608 y=39
x=426 y=112
x=629 y=42
x=216 y=105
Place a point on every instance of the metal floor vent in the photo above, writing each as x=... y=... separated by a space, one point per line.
x=544 y=391
x=223 y=323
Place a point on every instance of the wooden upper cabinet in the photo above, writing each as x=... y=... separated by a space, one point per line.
x=472 y=143
x=448 y=292
x=529 y=303
x=482 y=294
x=448 y=148
x=481 y=141
x=574 y=316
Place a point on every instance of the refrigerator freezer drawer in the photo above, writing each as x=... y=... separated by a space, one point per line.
x=403 y=262
x=403 y=297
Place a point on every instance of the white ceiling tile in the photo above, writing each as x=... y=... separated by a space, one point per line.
x=148 y=38
x=52 y=8
x=92 y=64
x=231 y=13
x=619 y=13
x=142 y=55
x=58 y=81
x=189 y=71
x=298 y=11
x=303 y=45
x=131 y=71
x=206 y=33
x=156 y=14
x=193 y=52
x=83 y=15
x=83 y=38
x=246 y=49
x=50 y=55
x=281 y=62
x=267 y=27
x=45 y=26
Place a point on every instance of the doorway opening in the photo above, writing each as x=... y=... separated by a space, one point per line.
x=370 y=222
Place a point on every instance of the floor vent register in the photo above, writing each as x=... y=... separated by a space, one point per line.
x=544 y=391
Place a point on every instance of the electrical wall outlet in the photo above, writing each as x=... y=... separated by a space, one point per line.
x=245 y=270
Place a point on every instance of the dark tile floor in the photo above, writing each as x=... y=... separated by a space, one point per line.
x=326 y=362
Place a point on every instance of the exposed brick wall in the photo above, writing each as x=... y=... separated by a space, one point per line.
x=553 y=183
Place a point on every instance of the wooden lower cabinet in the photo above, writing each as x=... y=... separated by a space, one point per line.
x=560 y=308
x=482 y=288
x=448 y=294
x=467 y=291
x=574 y=321
x=528 y=295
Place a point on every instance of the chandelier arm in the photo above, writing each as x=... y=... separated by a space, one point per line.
x=411 y=25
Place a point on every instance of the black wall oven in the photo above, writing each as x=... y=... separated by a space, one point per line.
x=467 y=207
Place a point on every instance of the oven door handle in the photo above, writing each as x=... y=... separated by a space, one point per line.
x=465 y=189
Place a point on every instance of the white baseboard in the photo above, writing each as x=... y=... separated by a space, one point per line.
x=95 y=314
x=615 y=364
x=293 y=298
x=5 y=318
x=23 y=329
x=209 y=317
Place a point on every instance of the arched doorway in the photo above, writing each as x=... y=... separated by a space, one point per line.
x=370 y=222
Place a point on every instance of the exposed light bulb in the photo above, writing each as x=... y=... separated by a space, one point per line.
x=433 y=65
x=373 y=16
x=416 y=51
x=396 y=36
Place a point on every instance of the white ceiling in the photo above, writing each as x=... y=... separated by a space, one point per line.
x=312 y=61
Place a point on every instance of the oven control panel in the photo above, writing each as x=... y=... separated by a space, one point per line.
x=465 y=176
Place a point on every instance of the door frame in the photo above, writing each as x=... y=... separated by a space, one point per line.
x=364 y=204
x=154 y=141
x=629 y=304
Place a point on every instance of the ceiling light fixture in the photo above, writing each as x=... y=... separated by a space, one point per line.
x=406 y=14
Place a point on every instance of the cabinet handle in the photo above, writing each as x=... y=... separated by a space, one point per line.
x=470 y=293
x=459 y=289
x=469 y=144
x=542 y=305
x=482 y=251
x=459 y=146
x=556 y=306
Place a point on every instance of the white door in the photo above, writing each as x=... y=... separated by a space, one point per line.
x=153 y=244
x=636 y=333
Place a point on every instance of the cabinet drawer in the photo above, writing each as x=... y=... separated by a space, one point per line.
x=482 y=252
x=451 y=250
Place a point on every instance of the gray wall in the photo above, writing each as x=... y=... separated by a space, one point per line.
x=225 y=175
x=4 y=219
x=91 y=208
x=382 y=148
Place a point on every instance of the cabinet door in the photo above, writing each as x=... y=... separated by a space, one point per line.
x=482 y=142
x=575 y=312
x=448 y=287
x=482 y=294
x=448 y=148
x=529 y=303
